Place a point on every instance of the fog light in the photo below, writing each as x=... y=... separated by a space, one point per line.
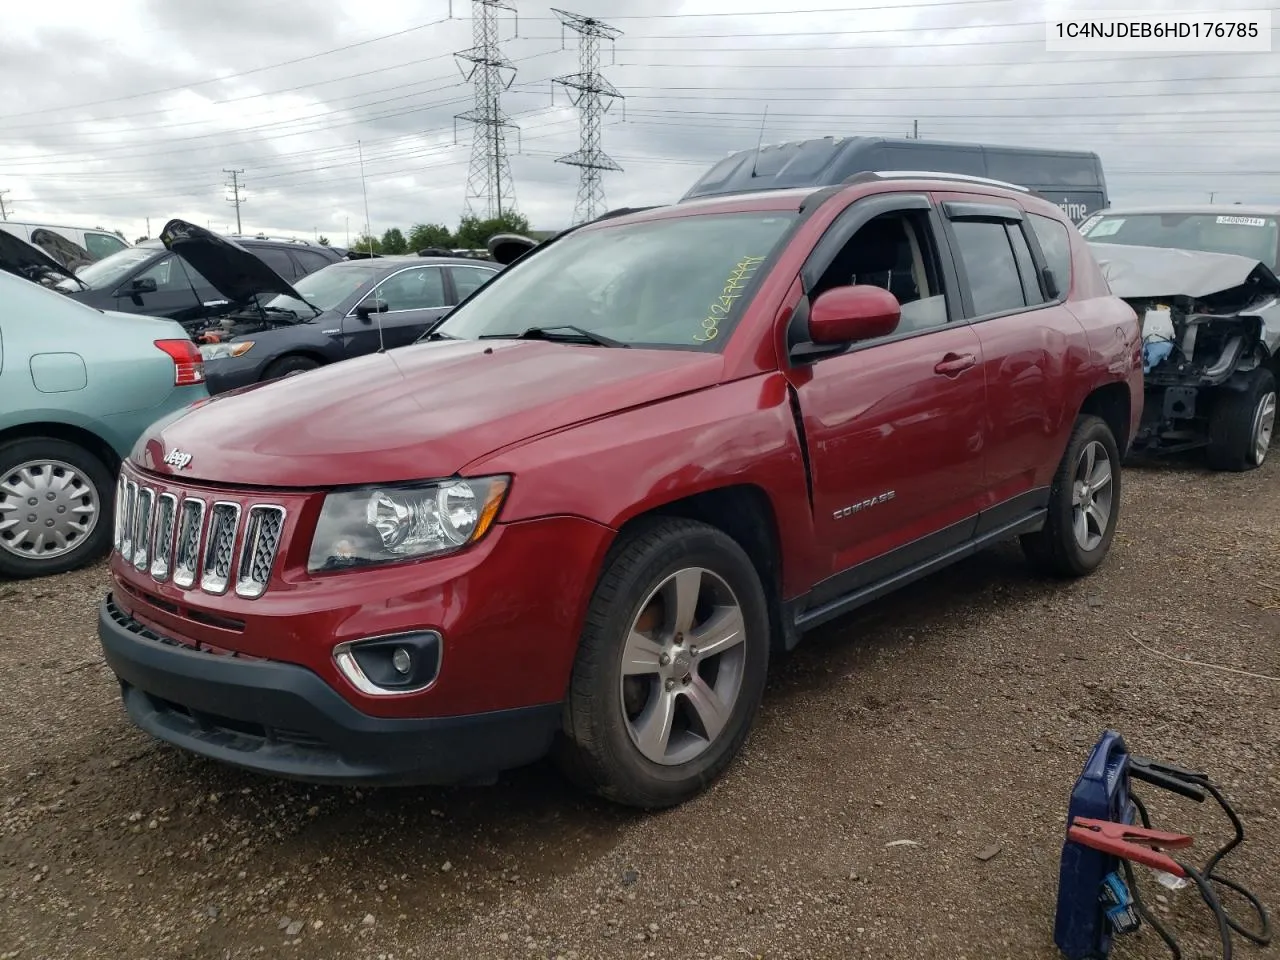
x=385 y=666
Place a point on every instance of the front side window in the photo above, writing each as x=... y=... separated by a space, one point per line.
x=173 y=273
x=1247 y=236
x=417 y=289
x=989 y=265
x=102 y=244
x=277 y=260
x=671 y=282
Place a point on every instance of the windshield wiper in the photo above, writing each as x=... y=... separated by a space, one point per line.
x=560 y=333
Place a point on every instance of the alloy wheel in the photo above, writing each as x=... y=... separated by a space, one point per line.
x=1264 y=421
x=1091 y=495
x=682 y=666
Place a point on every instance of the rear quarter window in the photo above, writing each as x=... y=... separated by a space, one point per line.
x=1055 y=243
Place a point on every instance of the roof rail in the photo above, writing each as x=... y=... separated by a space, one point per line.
x=263 y=236
x=932 y=175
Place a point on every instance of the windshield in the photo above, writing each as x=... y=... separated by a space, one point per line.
x=1246 y=236
x=328 y=286
x=110 y=270
x=671 y=282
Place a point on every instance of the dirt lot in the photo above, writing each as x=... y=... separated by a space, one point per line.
x=956 y=716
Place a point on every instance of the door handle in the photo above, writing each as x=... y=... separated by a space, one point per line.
x=954 y=363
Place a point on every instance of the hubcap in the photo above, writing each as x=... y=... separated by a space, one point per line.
x=1091 y=493
x=47 y=509
x=1264 y=421
x=682 y=666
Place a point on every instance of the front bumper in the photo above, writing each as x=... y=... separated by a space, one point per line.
x=283 y=720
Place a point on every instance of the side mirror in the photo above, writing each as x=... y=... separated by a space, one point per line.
x=367 y=309
x=847 y=314
x=143 y=285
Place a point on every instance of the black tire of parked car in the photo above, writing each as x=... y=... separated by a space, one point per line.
x=1233 y=419
x=595 y=750
x=295 y=363
x=1054 y=549
x=91 y=467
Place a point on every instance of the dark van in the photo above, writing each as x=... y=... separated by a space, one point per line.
x=1070 y=178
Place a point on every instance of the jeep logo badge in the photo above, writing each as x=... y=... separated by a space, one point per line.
x=177 y=459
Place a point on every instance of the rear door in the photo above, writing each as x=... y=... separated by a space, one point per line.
x=1030 y=344
x=416 y=298
x=895 y=427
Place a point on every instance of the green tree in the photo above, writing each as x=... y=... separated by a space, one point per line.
x=424 y=235
x=474 y=232
x=393 y=241
x=324 y=241
x=364 y=243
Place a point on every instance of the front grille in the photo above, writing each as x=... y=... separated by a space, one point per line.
x=182 y=537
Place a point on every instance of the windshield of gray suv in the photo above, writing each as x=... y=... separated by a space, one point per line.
x=663 y=283
x=110 y=270
x=1244 y=235
x=329 y=286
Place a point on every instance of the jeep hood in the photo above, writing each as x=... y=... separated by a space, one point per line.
x=1143 y=273
x=234 y=272
x=27 y=261
x=417 y=412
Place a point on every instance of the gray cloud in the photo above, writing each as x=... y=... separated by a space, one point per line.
x=120 y=116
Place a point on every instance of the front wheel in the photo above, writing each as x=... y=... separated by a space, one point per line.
x=670 y=668
x=55 y=507
x=1084 y=504
x=1241 y=423
x=289 y=365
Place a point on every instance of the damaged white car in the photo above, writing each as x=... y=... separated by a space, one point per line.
x=1211 y=349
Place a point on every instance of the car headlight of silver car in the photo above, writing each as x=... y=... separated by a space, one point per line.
x=223 y=351
x=404 y=522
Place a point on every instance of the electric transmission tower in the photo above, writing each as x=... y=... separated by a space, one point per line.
x=490 y=190
x=593 y=95
x=235 y=197
x=4 y=214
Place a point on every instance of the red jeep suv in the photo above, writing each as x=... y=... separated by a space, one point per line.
x=582 y=515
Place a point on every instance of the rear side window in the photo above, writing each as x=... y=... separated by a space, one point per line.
x=1056 y=246
x=989 y=265
x=469 y=279
x=1026 y=265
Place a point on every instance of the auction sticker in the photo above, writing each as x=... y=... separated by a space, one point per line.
x=1244 y=221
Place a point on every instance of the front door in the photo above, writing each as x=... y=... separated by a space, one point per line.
x=415 y=297
x=895 y=427
x=180 y=292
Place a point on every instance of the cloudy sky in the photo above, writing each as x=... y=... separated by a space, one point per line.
x=123 y=110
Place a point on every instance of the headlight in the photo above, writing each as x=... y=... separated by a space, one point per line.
x=223 y=351
x=385 y=524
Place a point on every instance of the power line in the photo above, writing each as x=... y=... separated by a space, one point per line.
x=235 y=186
x=593 y=95
x=489 y=178
x=790 y=13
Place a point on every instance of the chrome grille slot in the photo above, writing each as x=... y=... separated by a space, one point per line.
x=186 y=549
x=142 y=526
x=262 y=532
x=117 y=534
x=219 y=545
x=126 y=530
x=162 y=545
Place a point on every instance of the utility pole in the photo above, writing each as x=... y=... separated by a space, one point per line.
x=586 y=90
x=1211 y=195
x=148 y=228
x=4 y=213
x=489 y=186
x=235 y=198
x=915 y=129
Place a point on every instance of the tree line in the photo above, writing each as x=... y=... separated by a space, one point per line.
x=472 y=233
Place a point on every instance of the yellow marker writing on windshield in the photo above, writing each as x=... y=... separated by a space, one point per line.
x=742 y=272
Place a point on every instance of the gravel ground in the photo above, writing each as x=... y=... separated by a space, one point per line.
x=955 y=715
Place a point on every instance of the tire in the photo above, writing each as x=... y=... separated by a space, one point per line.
x=600 y=748
x=295 y=363
x=1241 y=423
x=1057 y=549
x=23 y=465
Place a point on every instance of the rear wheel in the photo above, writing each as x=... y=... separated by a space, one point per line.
x=670 y=669
x=55 y=506
x=1084 y=504
x=287 y=365
x=1241 y=423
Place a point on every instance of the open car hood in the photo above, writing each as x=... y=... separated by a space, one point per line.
x=1142 y=273
x=234 y=272
x=28 y=261
x=67 y=252
x=506 y=248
